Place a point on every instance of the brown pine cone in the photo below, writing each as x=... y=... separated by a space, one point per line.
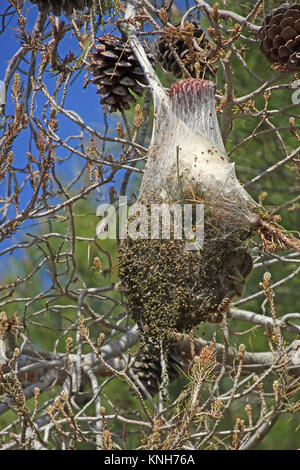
x=116 y=71
x=185 y=51
x=147 y=366
x=67 y=6
x=280 y=37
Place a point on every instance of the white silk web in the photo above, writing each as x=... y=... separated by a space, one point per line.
x=188 y=156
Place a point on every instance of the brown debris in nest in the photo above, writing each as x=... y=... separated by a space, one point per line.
x=273 y=235
x=169 y=288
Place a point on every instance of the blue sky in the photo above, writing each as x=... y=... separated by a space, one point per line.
x=83 y=101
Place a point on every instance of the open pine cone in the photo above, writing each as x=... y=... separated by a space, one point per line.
x=185 y=50
x=56 y=6
x=147 y=366
x=116 y=71
x=280 y=37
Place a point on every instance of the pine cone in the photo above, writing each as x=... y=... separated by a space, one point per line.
x=116 y=71
x=182 y=48
x=56 y=6
x=147 y=366
x=280 y=37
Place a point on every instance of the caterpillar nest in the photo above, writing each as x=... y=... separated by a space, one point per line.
x=168 y=286
x=172 y=284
